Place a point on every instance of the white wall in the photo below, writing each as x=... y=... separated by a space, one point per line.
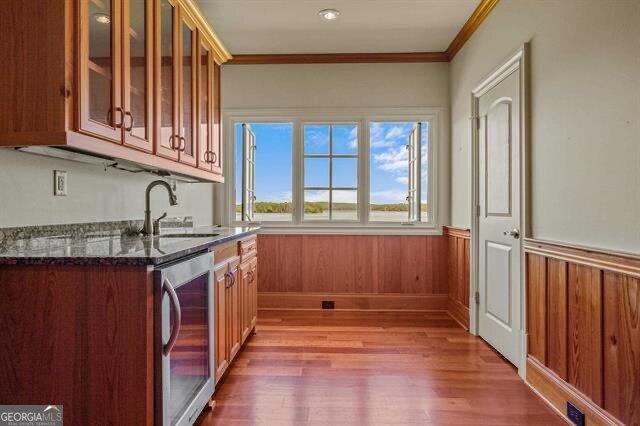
x=585 y=115
x=95 y=195
x=346 y=85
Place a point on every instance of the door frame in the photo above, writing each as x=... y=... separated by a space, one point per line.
x=516 y=62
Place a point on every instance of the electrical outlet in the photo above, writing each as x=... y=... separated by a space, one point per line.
x=574 y=414
x=60 y=184
x=328 y=304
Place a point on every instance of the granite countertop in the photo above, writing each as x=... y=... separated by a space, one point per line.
x=112 y=247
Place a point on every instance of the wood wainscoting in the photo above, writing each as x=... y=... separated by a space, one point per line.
x=458 y=252
x=377 y=272
x=583 y=326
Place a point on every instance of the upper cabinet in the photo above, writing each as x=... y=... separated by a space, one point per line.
x=136 y=80
x=101 y=111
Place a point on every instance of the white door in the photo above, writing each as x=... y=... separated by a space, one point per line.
x=499 y=246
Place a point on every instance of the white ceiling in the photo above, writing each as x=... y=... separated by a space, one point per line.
x=364 y=26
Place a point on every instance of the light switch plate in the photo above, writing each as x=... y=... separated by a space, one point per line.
x=60 y=185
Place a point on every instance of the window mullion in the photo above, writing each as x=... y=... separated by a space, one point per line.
x=297 y=175
x=330 y=172
x=363 y=172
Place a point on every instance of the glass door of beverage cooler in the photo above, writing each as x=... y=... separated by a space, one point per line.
x=185 y=347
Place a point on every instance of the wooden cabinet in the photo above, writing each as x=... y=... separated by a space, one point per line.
x=221 y=352
x=236 y=301
x=116 y=71
x=208 y=110
x=234 y=311
x=248 y=275
x=228 y=320
x=134 y=80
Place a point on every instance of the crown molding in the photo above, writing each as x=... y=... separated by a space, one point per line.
x=339 y=58
x=477 y=17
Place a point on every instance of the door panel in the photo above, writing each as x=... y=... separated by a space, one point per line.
x=498 y=274
x=206 y=157
x=138 y=73
x=233 y=312
x=187 y=87
x=167 y=141
x=499 y=198
x=101 y=111
x=216 y=142
x=253 y=293
x=222 y=349
x=498 y=157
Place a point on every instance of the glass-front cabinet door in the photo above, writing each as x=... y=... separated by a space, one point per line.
x=138 y=73
x=167 y=140
x=216 y=137
x=188 y=94
x=101 y=111
x=205 y=104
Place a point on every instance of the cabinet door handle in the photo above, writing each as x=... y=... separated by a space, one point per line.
x=206 y=156
x=214 y=157
x=128 y=128
x=177 y=315
x=172 y=139
x=232 y=279
x=119 y=125
x=183 y=144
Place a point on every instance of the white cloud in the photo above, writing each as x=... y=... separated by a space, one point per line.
x=395 y=132
x=393 y=159
x=393 y=136
x=403 y=180
x=388 y=196
x=316 y=196
x=353 y=138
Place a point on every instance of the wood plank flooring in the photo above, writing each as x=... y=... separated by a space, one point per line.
x=371 y=368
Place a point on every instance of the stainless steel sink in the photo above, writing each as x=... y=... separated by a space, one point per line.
x=187 y=235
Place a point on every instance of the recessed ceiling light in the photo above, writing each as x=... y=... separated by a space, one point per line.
x=329 y=14
x=102 y=18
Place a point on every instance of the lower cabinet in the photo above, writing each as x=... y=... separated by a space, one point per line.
x=236 y=299
x=248 y=271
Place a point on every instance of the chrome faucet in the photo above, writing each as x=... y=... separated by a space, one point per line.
x=173 y=200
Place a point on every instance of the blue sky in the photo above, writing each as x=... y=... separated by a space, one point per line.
x=388 y=160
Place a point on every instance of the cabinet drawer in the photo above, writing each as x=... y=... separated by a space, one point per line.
x=248 y=248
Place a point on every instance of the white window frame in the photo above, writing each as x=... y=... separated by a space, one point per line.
x=330 y=156
x=363 y=117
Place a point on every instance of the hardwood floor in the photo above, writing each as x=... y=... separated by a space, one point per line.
x=369 y=368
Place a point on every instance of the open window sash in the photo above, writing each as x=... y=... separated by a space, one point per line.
x=248 y=174
x=414 y=190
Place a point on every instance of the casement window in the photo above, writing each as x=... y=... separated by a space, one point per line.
x=399 y=172
x=332 y=172
x=263 y=172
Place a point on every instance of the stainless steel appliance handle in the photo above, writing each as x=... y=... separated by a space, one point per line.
x=175 y=305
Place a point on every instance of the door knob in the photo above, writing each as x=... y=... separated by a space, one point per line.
x=515 y=233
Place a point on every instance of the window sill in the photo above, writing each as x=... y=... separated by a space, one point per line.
x=346 y=229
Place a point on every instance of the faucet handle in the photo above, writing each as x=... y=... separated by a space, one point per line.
x=156 y=224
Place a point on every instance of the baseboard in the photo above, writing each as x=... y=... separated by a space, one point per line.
x=556 y=392
x=355 y=302
x=459 y=312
